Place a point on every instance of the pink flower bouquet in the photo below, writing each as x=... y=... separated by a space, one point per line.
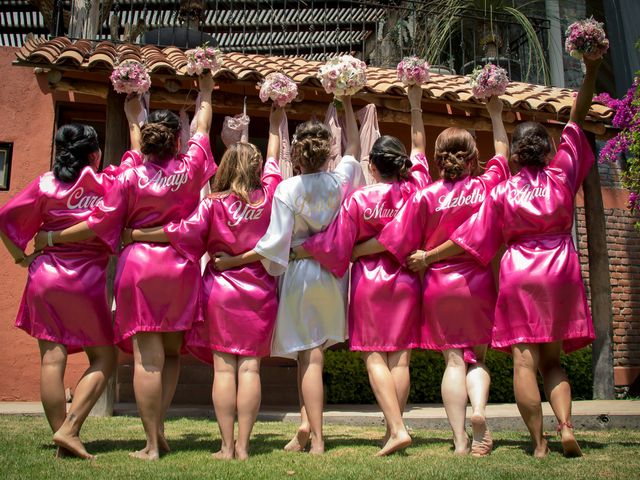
x=203 y=59
x=586 y=38
x=130 y=77
x=413 y=71
x=279 y=88
x=488 y=81
x=343 y=75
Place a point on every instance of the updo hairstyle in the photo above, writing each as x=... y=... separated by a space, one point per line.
x=74 y=143
x=530 y=145
x=159 y=134
x=390 y=158
x=311 y=146
x=455 y=151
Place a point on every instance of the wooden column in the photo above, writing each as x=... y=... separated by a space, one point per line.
x=600 y=285
x=116 y=143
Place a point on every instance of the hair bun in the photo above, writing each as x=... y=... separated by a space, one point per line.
x=530 y=144
x=158 y=135
x=312 y=146
x=74 y=143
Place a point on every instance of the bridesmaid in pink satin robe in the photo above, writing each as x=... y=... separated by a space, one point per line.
x=542 y=307
x=156 y=288
x=240 y=304
x=384 y=303
x=64 y=305
x=458 y=297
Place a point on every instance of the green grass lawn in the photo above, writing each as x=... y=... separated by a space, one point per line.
x=26 y=452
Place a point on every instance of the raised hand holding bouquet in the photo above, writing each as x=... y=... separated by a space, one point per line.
x=203 y=59
x=488 y=81
x=586 y=38
x=343 y=76
x=413 y=71
x=279 y=88
x=130 y=76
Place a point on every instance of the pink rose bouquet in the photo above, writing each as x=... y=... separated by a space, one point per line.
x=203 y=59
x=413 y=71
x=586 y=38
x=130 y=77
x=279 y=88
x=488 y=81
x=343 y=75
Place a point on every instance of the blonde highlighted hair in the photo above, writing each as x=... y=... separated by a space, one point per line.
x=239 y=172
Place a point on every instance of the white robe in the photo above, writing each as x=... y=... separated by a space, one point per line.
x=312 y=308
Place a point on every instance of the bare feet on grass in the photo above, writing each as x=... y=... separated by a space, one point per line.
x=225 y=453
x=241 y=452
x=70 y=442
x=395 y=443
x=541 y=450
x=461 y=445
x=163 y=445
x=299 y=442
x=482 y=443
x=570 y=447
x=146 y=453
x=317 y=446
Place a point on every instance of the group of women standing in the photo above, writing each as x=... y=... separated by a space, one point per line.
x=277 y=283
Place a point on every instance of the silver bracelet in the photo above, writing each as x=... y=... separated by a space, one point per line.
x=50 y=238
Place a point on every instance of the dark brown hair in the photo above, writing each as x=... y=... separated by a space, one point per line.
x=74 y=143
x=389 y=156
x=311 y=146
x=240 y=171
x=530 y=144
x=455 y=150
x=159 y=134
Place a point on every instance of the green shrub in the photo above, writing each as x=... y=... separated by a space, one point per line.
x=346 y=379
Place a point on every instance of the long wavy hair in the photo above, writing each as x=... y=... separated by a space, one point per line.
x=239 y=172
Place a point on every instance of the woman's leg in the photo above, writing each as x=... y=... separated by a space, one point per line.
x=172 y=342
x=558 y=392
x=454 y=397
x=248 y=401
x=53 y=361
x=299 y=441
x=384 y=389
x=312 y=362
x=478 y=382
x=225 y=367
x=399 y=365
x=148 y=355
x=102 y=363
x=525 y=386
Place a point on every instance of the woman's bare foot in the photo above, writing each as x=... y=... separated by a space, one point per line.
x=541 y=450
x=63 y=453
x=299 y=442
x=570 y=447
x=461 y=445
x=241 y=453
x=225 y=453
x=146 y=453
x=482 y=443
x=317 y=447
x=163 y=445
x=401 y=441
x=71 y=443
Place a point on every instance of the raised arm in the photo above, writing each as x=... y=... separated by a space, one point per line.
x=418 y=137
x=500 y=138
x=205 y=82
x=132 y=109
x=582 y=103
x=353 y=136
x=275 y=119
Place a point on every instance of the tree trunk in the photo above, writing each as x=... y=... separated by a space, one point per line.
x=116 y=143
x=600 y=285
x=85 y=19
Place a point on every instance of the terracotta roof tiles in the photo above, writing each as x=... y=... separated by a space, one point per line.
x=92 y=56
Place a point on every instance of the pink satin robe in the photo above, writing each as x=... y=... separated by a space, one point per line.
x=384 y=305
x=65 y=298
x=156 y=288
x=541 y=297
x=240 y=305
x=459 y=295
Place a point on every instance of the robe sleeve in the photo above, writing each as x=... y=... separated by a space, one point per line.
x=420 y=170
x=21 y=217
x=190 y=236
x=405 y=233
x=332 y=247
x=481 y=235
x=130 y=159
x=274 y=246
x=200 y=159
x=574 y=156
x=271 y=176
x=496 y=171
x=349 y=171
x=109 y=217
